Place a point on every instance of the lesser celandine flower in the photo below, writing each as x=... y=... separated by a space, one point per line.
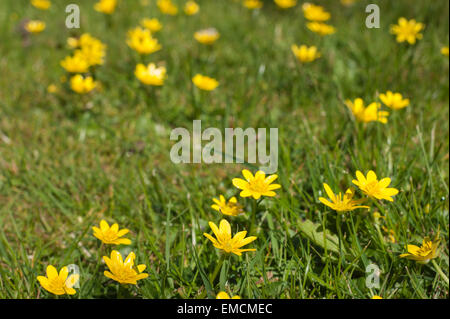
x=141 y=41
x=256 y=186
x=167 y=7
x=207 y=36
x=124 y=272
x=315 y=13
x=367 y=114
x=341 y=203
x=348 y=2
x=321 y=28
x=52 y=88
x=35 y=26
x=425 y=253
x=304 y=53
x=394 y=101
x=151 y=24
x=407 y=30
x=191 y=8
x=111 y=235
x=41 y=4
x=205 y=83
x=224 y=295
x=82 y=85
x=373 y=187
x=224 y=241
x=285 y=4
x=231 y=208
x=253 y=4
x=75 y=64
x=445 y=51
x=150 y=74
x=106 y=6
x=376 y=297
x=59 y=284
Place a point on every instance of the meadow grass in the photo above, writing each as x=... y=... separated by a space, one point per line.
x=68 y=161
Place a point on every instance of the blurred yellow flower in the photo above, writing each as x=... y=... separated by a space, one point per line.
x=207 y=36
x=305 y=54
x=367 y=114
x=111 y=235
x=444 y=51
x=41 y=4
x=76 y=63
x=339 y=203
x=321 y=28
x=58 y=284
x=256 y=186
x=82 y=85
x=224 y=241
x=231 y=208
x=191 y=8
x=141 y=41
x=89 y=48
x=285 y=4
x=425 y=253
x=150 y=74
x=167 y=7
x=407 y=30
x=52 y=88
x=205 y=83
x=315 y=13
x=151 y=24
x=106 y=6
x=375 y=296
x=373 y=188
x=394 y=101
x=224 y=295
x=124 y=272
x=253 y=4
x=390 y=233
x=35 y=26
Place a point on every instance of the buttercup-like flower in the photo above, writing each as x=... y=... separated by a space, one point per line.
x=224 y=295
x=224 y=241
x=394 y=101
x=348 y=3
x=58 y=284
x=106 y=6
x=41 y=4
x=82 y=85
x=253 y=4
x=305 y=54
x=367 y=114
x=151 y=24
x=167 y=7
x=315 y=13
x=407 y=30
x=207 y=36
x=150 y=74
x=285 y=4
x=373 y=188
x=339 y=203
x=141 y=40
x=204 y=82
x=445 y=51
x=231 y=208
x=321 y=28
x=425 y=253
x=191 y=8
x=256 y=186
x=76 y=63
x=111 y=235
x=35 y=26
x=124 y=272
x=376 y=297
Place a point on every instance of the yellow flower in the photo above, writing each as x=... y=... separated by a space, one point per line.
x=367 y=114
x=204 y=82
x=315 y=13
x=106 y=6
x=111 y=235
x=425 y=253
x=339 y=203
x=376 y=297
x=150 y=74
x=224 y=295
x=151 y=24
x=374 y=188
x=191 y=8
x=76 y=63
x=321 y=28
x=82 y=85
x=52 y=88
x=253 y=4
x=394 y=101
x=58 y=284
x=224 y=241
x=41 y=4
x=167 y=7
x=390 y=233
x=35 y=26
x=285 y=4
x=305 y=54
x=141 y=40
x=207 y=36
x=407 y=30
x=256 y=186
x=444 y=51
x=92 y=49
x=124 y=272
x=232 y=208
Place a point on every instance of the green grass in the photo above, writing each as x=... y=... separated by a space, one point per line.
x=67 y=162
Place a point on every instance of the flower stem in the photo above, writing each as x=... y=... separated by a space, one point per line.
x=217 y=269
x=439 y=271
